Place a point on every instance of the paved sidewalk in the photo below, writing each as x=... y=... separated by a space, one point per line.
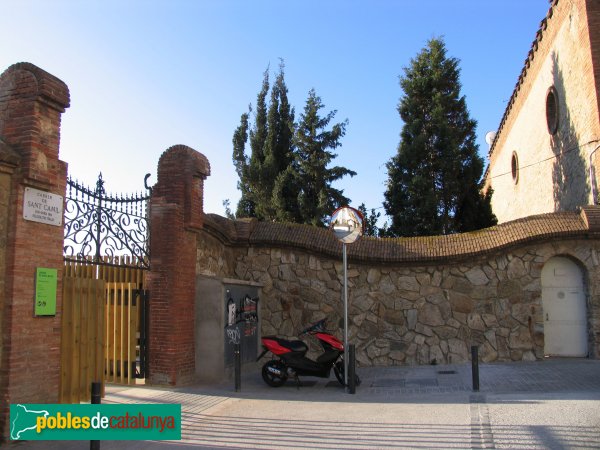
x=545 y=404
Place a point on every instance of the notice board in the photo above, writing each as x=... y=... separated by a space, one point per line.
x=241 y=322
x=45 y=291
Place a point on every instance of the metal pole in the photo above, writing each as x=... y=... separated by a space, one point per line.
x=351 y=369
x=475 y=367
x=238 y=368
x=345 y=317
x=96 y=400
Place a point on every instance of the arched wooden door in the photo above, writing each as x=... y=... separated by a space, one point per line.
x=564 y=307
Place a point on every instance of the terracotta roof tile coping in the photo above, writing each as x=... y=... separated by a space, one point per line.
x=530 y=56
x=251 y=232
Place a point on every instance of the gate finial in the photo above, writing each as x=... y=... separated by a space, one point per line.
x=148 y=188
x=100 y=185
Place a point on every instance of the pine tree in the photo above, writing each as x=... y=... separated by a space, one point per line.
x=370 y=221
x=434 y=179
x=317 y=198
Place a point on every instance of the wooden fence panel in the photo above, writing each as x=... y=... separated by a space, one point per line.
x=115 y=318
x=116 y=269
x=122 y=325
x=82 y=338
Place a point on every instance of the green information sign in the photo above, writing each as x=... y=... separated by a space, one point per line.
x=45 y=291
x=54 y=422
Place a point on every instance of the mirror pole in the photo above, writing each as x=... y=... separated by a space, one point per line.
x=345 y=317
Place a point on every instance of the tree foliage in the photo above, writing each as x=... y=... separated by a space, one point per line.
x=271 y=148
x=286 y=177
x=434 y=180
x=317 y=198
x=370 y=221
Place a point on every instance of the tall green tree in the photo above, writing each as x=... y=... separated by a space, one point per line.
x=317 y=198
x=287 y=177
x=271 y=149
x=245 y=207
x=250 y=168
x=370 y=221
x=434 y=180
x=279 y=152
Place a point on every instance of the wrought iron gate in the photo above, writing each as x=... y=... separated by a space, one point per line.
x=106 y=239
x=99 y=227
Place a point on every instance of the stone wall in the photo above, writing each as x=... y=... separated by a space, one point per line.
x=553 y=169
x=409 y=307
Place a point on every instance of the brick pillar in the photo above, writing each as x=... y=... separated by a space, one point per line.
x=176 y=214
x=31 y=104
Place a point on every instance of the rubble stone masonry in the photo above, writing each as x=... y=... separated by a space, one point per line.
x=412 y=300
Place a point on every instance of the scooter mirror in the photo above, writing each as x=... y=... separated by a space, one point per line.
x=317 y=326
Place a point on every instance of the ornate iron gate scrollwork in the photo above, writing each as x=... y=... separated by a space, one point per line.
x=101 y=227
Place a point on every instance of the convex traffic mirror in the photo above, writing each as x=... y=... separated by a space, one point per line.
x=347 y=224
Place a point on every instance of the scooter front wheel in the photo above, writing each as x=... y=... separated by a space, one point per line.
x=274 y=373
x=338 y=370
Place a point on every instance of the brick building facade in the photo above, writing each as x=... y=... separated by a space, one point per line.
x=545 y=155
x=31 y=104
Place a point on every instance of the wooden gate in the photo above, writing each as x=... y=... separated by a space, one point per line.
x=104 y=323
x=83 y=337
x=105 y=302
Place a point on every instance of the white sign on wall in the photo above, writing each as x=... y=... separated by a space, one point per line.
x=43 y=207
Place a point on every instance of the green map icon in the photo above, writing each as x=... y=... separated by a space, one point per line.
x=23 y=420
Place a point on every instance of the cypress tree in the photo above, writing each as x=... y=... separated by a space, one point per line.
x=286 y=177
x=271 y=147
x=278 y=150
x=434 y=179
x=245 y=206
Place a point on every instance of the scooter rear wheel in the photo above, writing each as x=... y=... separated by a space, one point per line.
x=274 y=373
x=338 y=370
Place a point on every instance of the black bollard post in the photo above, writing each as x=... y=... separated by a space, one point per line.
x=238 y=367
x=96 y=400
x=475 y=367
x=351 y=369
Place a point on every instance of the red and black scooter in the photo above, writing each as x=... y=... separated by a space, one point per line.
x=292 y=360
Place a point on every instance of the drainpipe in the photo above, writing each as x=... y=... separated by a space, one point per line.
x=593 y=178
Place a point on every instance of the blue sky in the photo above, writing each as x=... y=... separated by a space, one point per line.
x=145 y=75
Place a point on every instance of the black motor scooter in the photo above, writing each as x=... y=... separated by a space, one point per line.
x=292 y=360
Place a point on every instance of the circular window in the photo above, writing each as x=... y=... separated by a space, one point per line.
x=552 y=110
x=514 y=167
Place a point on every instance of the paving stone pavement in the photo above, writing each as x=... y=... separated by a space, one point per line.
x=545 y=404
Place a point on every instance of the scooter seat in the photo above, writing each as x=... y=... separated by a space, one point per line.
x=295 y=346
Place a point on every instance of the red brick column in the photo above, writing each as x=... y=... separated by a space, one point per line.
x=31 y=104
x=176 y=213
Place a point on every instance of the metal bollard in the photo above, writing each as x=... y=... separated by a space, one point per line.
x=475 y=367
x=238 y=367
x=96 y=400
x=351 y=369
